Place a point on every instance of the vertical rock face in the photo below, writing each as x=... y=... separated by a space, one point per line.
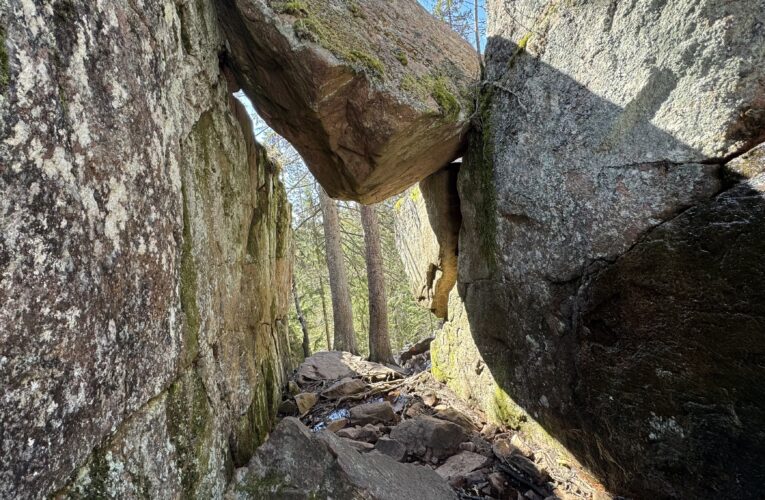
x=144 y=255
x=374 y=95
x=611 y=252
x=427 y=229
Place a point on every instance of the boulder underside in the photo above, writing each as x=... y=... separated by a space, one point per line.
x=374 y=95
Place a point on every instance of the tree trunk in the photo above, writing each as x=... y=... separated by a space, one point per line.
x=379 y=343
x=301 y=319
x=317 y=254
x=324 y=314
x=345 y=335
x=475 y=24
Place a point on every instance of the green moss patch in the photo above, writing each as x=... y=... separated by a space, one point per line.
x=315 y=26
x=293 y=8
x=283 y=221
x=189 y=423
x=448 y=103
x=251 y=429
x=437 y=87
x=5 y=72
x=522 y=43
x=188 y=289
x=480 y=161
x=354 y=8
x=506 y=411
x=369 y=62
x=307 y=29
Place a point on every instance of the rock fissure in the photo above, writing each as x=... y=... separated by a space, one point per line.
x=597 y=265
x=604 y=230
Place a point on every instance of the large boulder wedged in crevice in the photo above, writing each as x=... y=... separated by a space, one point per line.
x=374 y=95
x=427 y=225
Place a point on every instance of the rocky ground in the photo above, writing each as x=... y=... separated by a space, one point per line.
x=351 y=428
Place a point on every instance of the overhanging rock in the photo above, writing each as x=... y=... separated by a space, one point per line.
x=374 y=95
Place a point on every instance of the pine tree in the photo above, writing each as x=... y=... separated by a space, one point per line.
x=345 y=334
x=379 y=343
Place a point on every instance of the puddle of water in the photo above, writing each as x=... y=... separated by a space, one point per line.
x=338 y=414
x=400 y=402
x=335 y=415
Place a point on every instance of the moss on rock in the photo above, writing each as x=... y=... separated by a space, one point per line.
x=189 y=425
x=480 y=163
x=354 y=8
x=438 y=88
x=368 y=61
x=314 y=29
x=5 y=76
x=293 y=7
x=253 y=427
x=188 y=285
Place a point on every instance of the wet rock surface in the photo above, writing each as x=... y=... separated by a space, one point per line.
x=375 y=97
x=413 y=422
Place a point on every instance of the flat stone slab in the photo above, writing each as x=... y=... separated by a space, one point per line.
x=334 y=365
x=372 y=413
x=428 y=437
x=344 y=387
x=294 y=463
x=461 y=465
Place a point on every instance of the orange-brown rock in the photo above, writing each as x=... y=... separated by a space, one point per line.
x=374 y=95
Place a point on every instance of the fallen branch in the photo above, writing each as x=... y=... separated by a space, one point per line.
x=376 y=388
x=518 y=476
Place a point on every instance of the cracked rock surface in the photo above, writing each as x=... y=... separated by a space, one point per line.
x=610 y=264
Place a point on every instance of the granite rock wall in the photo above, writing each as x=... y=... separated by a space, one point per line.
x=145 y=255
